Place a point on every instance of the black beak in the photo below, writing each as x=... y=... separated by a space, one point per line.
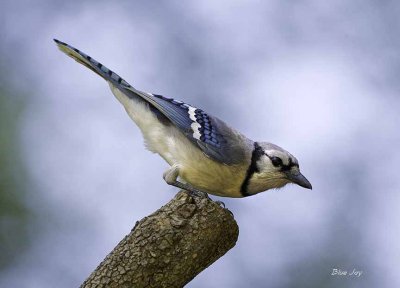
x=299 y=179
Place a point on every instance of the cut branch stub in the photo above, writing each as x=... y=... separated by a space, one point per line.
x=169 y=247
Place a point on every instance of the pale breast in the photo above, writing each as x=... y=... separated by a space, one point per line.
x=196 y=168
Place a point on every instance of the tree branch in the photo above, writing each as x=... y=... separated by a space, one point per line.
x=169 y=247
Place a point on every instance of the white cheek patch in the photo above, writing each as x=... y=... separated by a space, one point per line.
x=264 y=163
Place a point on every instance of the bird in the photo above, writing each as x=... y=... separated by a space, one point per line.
x=205 y=155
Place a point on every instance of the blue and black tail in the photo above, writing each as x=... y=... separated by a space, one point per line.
x=92 y=64
x=176 y=111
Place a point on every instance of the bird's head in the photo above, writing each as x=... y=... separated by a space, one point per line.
x=274 y=167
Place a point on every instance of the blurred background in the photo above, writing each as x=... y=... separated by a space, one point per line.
x=319 y=78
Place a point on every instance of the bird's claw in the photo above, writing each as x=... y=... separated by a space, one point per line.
x=198 y=193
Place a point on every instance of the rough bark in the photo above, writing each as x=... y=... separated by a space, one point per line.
x=169 y=247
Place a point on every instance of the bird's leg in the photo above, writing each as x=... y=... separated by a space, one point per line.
x=172 y=174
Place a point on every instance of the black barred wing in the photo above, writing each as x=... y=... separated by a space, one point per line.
x=195 y=121
x=210 y=134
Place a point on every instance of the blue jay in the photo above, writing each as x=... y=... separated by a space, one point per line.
x=203 y=152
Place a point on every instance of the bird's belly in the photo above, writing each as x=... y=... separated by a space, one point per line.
x=196 y=168
x=208 y=175
x=213 y=180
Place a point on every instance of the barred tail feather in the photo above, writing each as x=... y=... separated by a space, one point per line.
x=92 y=64
x=119 y=86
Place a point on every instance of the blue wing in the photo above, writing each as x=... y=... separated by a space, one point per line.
x=193 y=121
x=211 y=135
x=216 y=139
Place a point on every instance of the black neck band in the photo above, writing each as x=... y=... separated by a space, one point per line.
x=255 y=156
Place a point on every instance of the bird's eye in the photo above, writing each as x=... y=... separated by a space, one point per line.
x=276 y=161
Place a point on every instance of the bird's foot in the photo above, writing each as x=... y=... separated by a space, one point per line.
x=170 y=177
